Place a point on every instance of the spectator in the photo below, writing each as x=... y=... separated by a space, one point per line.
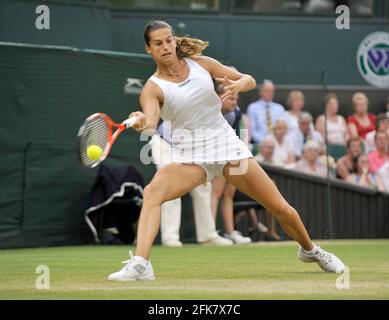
x=363 y=177
x=295 y=102
x=221 y=189
x=347 y=164
x=264 y=112
x=269 y=228
x=310 y=161
x=306 y=133
x=381 y=124
x=329 y=162
x=266 y=153
x=284 y=147
x=337 y=130
x=383 y=174
x=377 y=158
x=361 y=122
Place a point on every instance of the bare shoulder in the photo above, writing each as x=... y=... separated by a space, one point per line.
x=206 y=62
x=151 y=91
x=216 y=68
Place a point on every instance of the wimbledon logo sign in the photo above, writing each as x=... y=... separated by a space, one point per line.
x=373 y=59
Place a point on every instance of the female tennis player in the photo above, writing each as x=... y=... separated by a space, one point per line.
x=203 y=145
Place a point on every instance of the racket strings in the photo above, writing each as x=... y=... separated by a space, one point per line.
x=94 y=132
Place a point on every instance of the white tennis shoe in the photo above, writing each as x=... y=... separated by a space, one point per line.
x=172 y=243
x=133 y=270
x=326 y=260
x=237 y=237
x=218 y=241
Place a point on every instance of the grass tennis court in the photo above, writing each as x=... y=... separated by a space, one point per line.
x=257 y=271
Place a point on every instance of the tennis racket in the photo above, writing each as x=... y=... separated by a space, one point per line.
x=98 y=129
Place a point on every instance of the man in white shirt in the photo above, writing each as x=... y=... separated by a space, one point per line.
x=306 y=133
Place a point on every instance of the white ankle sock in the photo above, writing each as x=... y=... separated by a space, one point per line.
x=141 y=260
x=310 y=251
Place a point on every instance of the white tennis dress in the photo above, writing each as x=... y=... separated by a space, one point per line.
x=200 y=134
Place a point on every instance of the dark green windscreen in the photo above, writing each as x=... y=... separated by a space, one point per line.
x=45 y=95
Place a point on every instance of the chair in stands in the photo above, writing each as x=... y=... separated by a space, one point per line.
x=336 y=151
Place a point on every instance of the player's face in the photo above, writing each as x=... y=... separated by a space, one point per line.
x=162 y=45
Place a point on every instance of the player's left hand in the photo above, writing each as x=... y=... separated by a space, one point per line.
x=231 y=87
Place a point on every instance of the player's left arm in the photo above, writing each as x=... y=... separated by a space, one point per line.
x=233 y=81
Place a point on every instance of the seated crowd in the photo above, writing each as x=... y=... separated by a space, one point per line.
x=358 y=145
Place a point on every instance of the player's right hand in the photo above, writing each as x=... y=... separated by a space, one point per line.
x=141 y=123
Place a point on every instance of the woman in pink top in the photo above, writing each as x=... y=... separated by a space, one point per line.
x=377 y=158
x=337 y=130
x=361 y=122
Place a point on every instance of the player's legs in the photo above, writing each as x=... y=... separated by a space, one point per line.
x=171 y=210
x=257 y=184
x=170 y=182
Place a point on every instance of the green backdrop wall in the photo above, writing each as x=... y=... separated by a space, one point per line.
x=287 y=49
x=45 y=95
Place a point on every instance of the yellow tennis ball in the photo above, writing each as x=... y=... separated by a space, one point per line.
x=94 y=152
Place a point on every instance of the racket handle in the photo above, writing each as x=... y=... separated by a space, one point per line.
x=130 y=121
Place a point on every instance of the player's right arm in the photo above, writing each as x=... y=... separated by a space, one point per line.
x=151 y=100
